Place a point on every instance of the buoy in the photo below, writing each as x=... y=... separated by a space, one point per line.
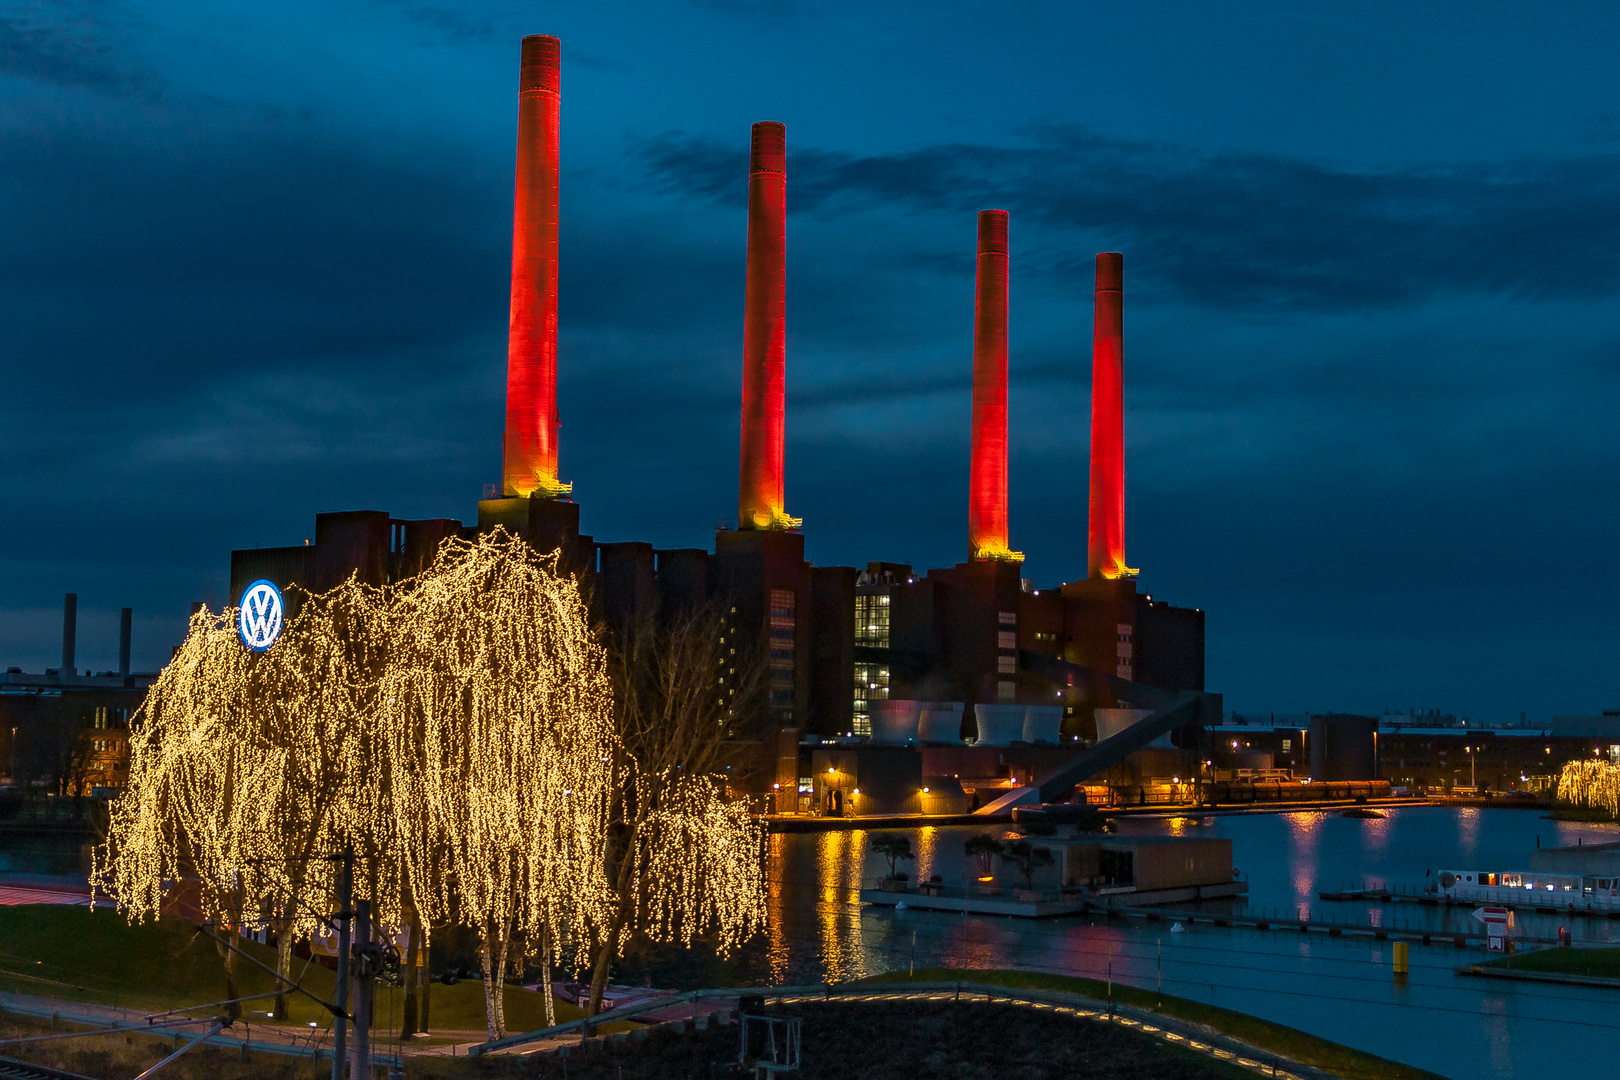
x=900 y=906
x=1177 y=928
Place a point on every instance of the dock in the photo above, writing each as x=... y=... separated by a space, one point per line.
x=1039 y=903
x=1439 y=900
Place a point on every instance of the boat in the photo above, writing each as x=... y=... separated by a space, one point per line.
x=1530 y=889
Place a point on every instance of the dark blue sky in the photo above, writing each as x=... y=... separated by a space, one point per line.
x=253 y=266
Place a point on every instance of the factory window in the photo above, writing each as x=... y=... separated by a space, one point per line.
x=1288 y=744
x=1006 y=639
x=872 y=619
x=782 y=625
x=1007 y=665
x=1009 y=618
x=1006 y=691
x=871 y=684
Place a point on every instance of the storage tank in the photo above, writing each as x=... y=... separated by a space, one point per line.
x=1001 y=724
x=895 y=721
x=1043 y=724
x=940 y=722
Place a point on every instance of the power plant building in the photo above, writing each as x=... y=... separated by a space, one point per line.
x=979 y=650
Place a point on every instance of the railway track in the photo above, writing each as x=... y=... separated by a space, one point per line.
x=12 y=1069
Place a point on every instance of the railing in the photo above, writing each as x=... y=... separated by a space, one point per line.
x=1182 y=1033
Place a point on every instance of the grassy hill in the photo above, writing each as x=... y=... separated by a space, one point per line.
x=77 y=954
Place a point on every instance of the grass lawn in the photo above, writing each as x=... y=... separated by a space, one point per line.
x=1601 y=962
x=77 y=954
x=1287 y=1041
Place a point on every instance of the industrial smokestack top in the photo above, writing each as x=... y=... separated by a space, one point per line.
x=70 y=634
x=1110 y=271
x=768 y=150
x=541 y=66
x=987 y=468
x=761 y=498
x=529 y=459
x=1105 y=547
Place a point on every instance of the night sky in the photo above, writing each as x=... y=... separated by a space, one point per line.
x=254 y=259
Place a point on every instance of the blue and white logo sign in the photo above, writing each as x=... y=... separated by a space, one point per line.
x=258 y=618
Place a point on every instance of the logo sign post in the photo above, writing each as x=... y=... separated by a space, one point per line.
x=259 y=616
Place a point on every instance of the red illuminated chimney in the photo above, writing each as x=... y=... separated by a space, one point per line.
x=987 y=471
x=760 y=498
x=1105 y=555
x=530 y=459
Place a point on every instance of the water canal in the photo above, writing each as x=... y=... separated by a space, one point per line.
x=1338 y=988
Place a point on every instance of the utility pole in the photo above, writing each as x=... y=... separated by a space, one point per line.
x=345 y=902
x=363 y=971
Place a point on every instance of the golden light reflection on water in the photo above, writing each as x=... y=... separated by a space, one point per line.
x=927 y=839
x=841 y=859
x=778 y=951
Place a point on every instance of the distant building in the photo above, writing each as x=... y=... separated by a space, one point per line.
x=66 y=732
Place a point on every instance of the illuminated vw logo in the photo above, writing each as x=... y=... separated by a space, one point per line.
x=258 y=619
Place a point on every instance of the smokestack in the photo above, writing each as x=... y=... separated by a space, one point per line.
x=1105 y=554
x=530 y=460
x=760 y=498
x=125 y=617
x=987 y=472
x=70 y=633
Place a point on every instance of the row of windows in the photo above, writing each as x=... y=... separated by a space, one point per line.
x=872 y=619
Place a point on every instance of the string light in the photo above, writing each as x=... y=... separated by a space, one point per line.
x=1591 y=783
x=457 y=729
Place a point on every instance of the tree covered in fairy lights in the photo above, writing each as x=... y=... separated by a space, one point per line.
x=458 y=731
x=1595 y=784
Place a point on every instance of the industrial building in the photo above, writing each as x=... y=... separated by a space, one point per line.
x=975 y=649
x=64 y=731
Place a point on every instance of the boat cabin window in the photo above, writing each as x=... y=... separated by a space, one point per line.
x=1511 y=881
x=1488 y=879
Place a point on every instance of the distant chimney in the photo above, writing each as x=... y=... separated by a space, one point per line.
x=1105 y=549
x=125 y=617
x=987 y=466
x=530 y=457
x=70 y=634
x=761 y=500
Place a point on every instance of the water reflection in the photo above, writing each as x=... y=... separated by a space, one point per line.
x=1302 y=832
x=927 y=837
x=1468 y=818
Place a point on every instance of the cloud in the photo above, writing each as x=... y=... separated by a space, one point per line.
x=69 y=44
x=1240 y=231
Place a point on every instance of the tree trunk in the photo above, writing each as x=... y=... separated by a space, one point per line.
x=409 y=977
x=545 y=975
x=284 y=949
x=493 y=951
x=606 y=953
x=424 y=979
x=229 y=956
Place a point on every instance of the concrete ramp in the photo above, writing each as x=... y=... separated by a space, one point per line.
x=1024 y=796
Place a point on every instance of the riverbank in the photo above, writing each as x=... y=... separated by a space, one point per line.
x=1570 y=967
